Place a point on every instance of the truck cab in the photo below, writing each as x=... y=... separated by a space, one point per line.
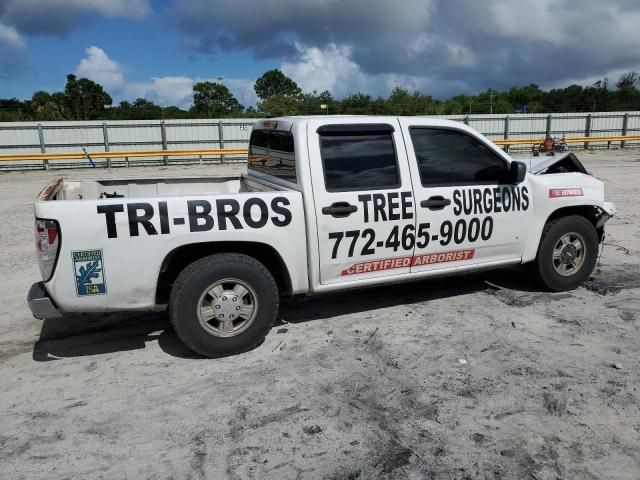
x=328 y=203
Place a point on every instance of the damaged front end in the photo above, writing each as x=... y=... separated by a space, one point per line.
x=603 y=214
x=566 y=163
x=599 y=212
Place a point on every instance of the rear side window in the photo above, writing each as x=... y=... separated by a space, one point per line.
x=355 y=159
x=272 y=152
x=451 y=157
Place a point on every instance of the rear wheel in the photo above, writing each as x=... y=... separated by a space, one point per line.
x=223 y=304
x=567 y=253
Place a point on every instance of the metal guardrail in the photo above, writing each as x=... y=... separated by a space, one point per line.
x=121 y=154
x=530 y=141
x=46 y=145
x=134 y=142
x=242 y=152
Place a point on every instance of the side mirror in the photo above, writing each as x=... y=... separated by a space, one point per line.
x=517 y=172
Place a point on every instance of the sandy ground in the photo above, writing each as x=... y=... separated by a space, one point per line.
x=359 y=385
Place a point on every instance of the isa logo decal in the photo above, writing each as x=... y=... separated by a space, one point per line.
x=89 y=272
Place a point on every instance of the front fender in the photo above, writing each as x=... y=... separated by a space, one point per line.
x=573 y=192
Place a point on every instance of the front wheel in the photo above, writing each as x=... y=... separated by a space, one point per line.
x=223 y=304
x=567 y=253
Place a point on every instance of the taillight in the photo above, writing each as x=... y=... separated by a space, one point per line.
x=47 y=243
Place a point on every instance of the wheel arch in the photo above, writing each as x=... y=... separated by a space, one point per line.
x=593 y=213
x=565 y=222
x=177 y=259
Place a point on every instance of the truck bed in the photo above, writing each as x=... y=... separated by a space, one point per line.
x=62 y=189
x=137 y=226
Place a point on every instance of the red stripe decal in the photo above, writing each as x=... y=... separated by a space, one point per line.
x=565 y=192
x=410 y=261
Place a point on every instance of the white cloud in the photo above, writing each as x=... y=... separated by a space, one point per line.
x=453 y=53
x=440 y=43
x=612 y=76
x=334 y=69
x=164 y=91
x=111 y=8
x=20 y=18
x=13 y=53
x=242 y=89
x=178 y=91
x=97 y=66
x=330 y=69
x=507 y=19
x=10 y=36
x=58 y=17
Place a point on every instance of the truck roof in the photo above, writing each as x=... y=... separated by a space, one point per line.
x=295 y=119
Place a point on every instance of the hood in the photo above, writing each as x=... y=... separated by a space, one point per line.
x=563 y=163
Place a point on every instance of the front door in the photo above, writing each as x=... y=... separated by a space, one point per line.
x=365 y=211
x=470 y=212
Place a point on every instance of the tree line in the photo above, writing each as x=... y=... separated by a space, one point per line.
x=84 y=99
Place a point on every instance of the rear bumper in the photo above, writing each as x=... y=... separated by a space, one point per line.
x=40 y=303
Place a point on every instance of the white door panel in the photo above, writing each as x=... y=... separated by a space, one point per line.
x=470 y=218
x=363 y=214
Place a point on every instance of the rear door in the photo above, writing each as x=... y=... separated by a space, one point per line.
x=364 y=204
x=468 y=212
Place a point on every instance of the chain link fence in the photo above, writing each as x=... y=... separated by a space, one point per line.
x=132 y=135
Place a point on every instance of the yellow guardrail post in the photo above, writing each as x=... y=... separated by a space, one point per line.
x=163 y=134
x=506 y=132
x=43 y=147
x=221 y=138
x=105 y=136
x=587 y=130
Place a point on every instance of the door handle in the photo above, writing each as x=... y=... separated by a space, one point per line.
x=339 y=209
x=437 y=202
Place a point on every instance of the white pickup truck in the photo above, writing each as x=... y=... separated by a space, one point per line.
x=329 y=203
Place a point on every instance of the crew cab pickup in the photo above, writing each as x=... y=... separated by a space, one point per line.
x=329 y=203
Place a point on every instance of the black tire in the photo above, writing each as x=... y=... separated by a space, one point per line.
x=544 y=266
x=190 y=301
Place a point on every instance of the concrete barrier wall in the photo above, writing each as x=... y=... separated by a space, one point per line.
x=98 y=136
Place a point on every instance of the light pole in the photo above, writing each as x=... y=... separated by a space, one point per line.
x=325 y=106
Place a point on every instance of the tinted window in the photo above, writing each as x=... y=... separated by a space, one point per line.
x=451 y=157
x=271 y=151
x=359 y=161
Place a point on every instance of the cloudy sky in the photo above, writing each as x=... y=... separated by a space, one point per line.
x=158 y=49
